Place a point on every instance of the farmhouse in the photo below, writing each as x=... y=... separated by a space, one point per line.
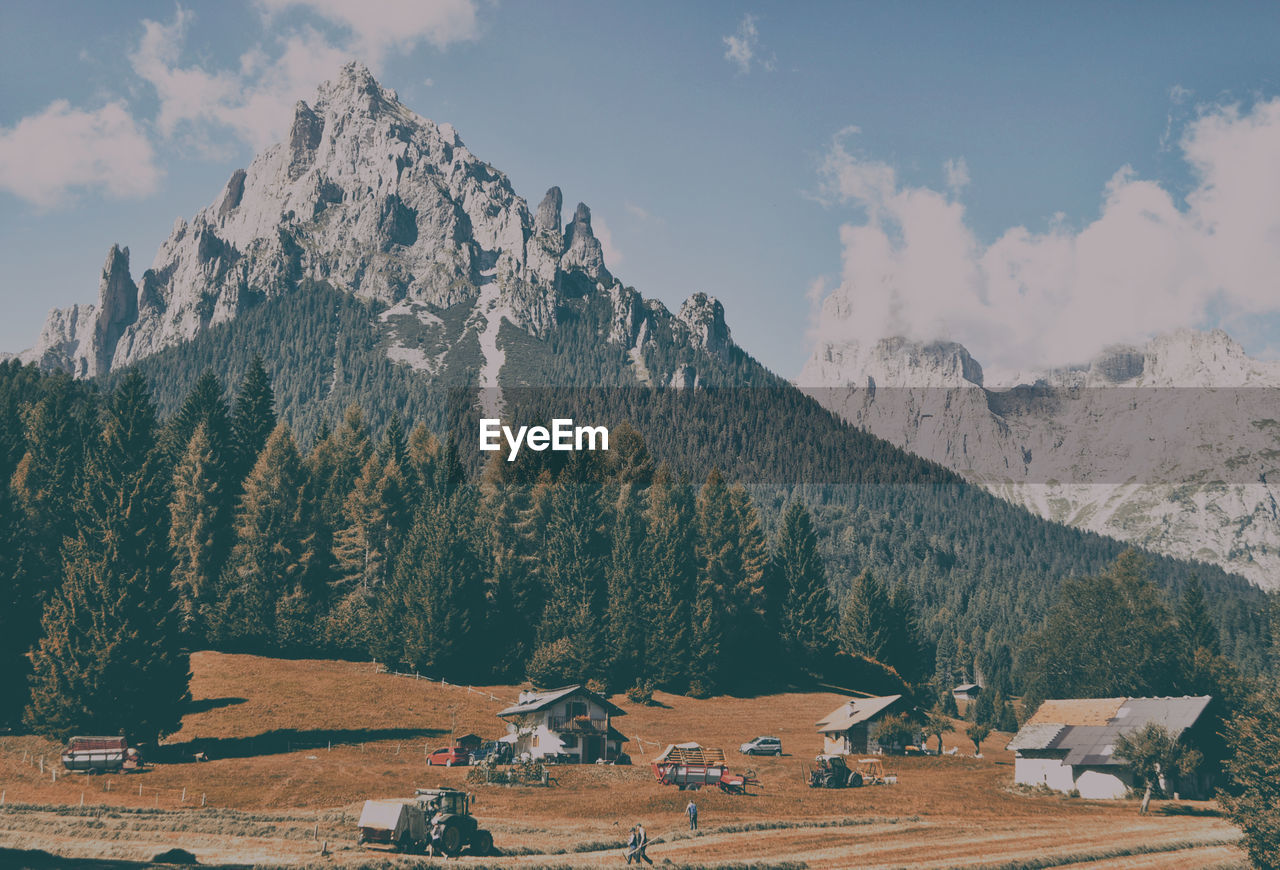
x=572 y=721
x=966 y=691
x=852 y=727
x=1070 y=744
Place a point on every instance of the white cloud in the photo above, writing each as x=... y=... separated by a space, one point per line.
x=254 y=102
x=379 y=26
x=612 y=256
x=914 y=267
x=742 y=47
x=637 y=211
x=957 y=172
x=46 y=156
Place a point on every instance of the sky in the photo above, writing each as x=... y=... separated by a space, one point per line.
x=1034 y=180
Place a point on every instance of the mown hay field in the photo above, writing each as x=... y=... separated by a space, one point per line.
x=295 y=747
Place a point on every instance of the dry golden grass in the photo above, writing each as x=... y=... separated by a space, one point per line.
x=296 y=746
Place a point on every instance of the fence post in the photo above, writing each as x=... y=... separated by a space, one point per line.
x=184 y=794
x=42 y=764
x=315 y=832
x=108 y=788
x=202 y=798
x=2 y=794
x=139 y=789
x=81 y=798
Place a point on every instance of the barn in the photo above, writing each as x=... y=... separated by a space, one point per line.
x=1069 y=744
x=852 y=727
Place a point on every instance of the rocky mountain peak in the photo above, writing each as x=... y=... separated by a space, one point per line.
x=547 y=219
x=704 y=316
x=582 y=248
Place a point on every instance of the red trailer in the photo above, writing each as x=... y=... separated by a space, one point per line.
x=690 y=767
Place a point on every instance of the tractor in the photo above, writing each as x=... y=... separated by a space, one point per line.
x=406 y=825
x=831 y=771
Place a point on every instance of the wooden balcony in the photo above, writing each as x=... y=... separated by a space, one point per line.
x=579 y=724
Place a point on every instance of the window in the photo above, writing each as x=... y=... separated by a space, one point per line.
x=574 y=709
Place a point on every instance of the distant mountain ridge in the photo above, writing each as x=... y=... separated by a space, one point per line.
x=1174 y=445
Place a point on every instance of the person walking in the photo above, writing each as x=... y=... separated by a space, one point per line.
x=692 y=812
x=633 y=841
x=642 y=843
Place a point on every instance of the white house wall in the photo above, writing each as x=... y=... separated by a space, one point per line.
x=1101 y=783
x=1050 y=772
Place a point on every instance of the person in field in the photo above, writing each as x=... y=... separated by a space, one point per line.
x=692 y=812
x=633 y=841
x=642 y=843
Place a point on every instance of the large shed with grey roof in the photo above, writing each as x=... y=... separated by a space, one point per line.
x=1069 y=745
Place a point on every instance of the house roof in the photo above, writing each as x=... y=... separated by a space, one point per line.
x=854 y=711
x=966 y=687
x=1035 y=736
x=532 y=702
x=1077 y=711
x=1090 y=742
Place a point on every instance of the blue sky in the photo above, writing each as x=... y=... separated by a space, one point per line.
x=713 y=142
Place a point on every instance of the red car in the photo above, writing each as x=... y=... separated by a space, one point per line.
x=449 y=756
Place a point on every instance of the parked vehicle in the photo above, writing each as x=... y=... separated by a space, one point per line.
x=100 y=754
x=762 y=746
x=405 y=824
x=495 y=752
x=449 y=756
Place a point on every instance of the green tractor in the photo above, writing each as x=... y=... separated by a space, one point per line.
x=451 y=809
x=435 y=818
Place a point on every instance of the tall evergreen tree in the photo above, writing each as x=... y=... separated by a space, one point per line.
x=866 y=619
x=747 y=642
x=268 y=591
x=806 y=633
x=255 y=417
x=575 y=562
x=111 y=658
x=1194 y=623
x=672 y=577
x=198 y=528
x=431 y=615
x=206 y=405
x=719 y=554
x=625 y=608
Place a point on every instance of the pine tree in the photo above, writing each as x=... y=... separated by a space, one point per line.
x=394 y=445
x=205 y=405
x=748 y=643
x=268 y=589
x=111 y=659
x=907 y=651
x=624 y=612
x=198 y=528
x=255 y=417
x=575 y=563
x=671 y=577
x=1194 y=623
x=376 y=516
x=719 y=570
x=431 y=615
x=866 y=620
x=806 y=631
